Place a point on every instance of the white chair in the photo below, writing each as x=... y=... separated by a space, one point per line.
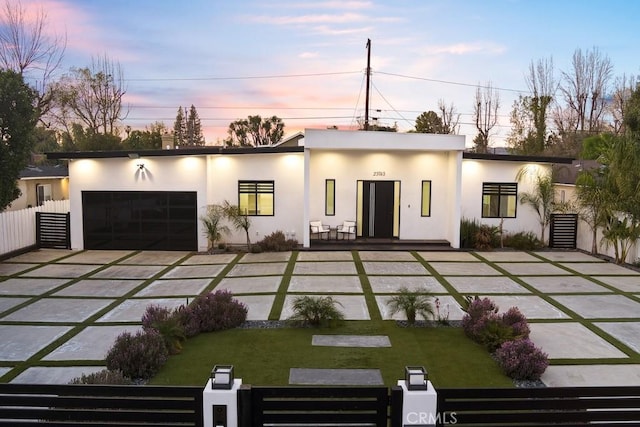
x=319 y=229
x=346 y=230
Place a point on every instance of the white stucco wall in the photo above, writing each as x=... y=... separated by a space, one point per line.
x=287 y=172
x=183 y=173
x=408 y=167
x=475 y=172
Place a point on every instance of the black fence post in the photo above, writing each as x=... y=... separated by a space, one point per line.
x=68 y=236
x=244 y=406
x=396 y=406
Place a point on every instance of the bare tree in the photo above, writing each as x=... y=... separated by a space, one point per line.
x=585 y=88
x=485 y=112
x=92 y=96
x=541 y=84
x=449 y=116
x=622 y=89
x=27 y=48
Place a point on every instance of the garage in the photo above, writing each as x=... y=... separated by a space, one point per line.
x=140 y=220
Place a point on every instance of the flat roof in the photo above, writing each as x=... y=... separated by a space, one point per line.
x=516 y=158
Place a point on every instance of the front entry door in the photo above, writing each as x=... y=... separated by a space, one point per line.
x=378 y=199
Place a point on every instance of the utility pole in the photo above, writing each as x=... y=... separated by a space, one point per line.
x=366 y=102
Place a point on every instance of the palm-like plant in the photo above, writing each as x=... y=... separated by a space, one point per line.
x=239 y=219
x=213 y=226
x=541 y=199
x=412 y=303
x=315 y=310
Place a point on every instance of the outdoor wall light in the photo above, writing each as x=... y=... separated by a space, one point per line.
x=415 y=377
x=140 y=166
x=222 y=377
x=134 y=155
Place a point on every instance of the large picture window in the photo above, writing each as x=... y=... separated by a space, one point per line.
x=255 y=198
x=425 y=209
x=499 y=199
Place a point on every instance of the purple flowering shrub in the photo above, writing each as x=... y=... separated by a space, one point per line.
x=214 y=311
x=522 y=360
x=138 y=356
x=480 y=312
x=484 y=325
x=517 y=321
x=168 y=323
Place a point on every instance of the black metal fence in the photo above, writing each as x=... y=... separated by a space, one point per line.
x=563 y=232
x=26 y=405
x=53 y=230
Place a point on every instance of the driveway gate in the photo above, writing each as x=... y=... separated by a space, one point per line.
x=564 y=231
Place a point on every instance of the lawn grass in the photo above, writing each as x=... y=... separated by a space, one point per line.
x=264 y=356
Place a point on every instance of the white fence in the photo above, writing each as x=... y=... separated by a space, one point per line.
x=18 y=228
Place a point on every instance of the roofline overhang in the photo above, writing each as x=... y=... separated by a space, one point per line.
x=202 y=151
x=516 y=158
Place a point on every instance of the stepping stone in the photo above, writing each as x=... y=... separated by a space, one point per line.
x=351 y=340
x=54 y=375
x=303 y=376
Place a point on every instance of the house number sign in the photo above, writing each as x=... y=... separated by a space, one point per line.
x=378 y=173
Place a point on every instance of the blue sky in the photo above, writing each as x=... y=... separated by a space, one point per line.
x=304 y=61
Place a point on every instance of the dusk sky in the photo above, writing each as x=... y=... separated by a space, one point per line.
x=305 y=61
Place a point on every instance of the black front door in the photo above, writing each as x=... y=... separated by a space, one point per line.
x=377 y=209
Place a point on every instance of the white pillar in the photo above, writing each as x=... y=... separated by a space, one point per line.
x=220 y=402
x=419 y=407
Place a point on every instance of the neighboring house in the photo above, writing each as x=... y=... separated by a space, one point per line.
x=41 y=183
x=394 y=186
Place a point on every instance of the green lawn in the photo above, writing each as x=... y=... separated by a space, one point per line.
x=264 y=356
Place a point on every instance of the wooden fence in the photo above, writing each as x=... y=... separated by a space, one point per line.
x=18 y=228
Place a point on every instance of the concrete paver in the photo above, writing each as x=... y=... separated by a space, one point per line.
x=325 y=256
x=132 y=310
x=41 y=255
x=627 y=332
x=325 y=284
x=100 y=288
x=391 y=284
x=95 y=257
x=533 y=307
x=193 y=271
x=7 y=303
x=386 y=256
x=9 y=269
x=363 y=341
x=58 y=310
x=174 y=287
x=568 y=256
x=325 y=268
x=509 y=256
x=250 y=285
x=156 y=258
x=599 y=268
x=209 y=259
x=54 y=375
x=20 y=342
x=563 y=284
x=129 y=272
x=532 y=269
x=600 y=306
x=592 y=375
x=258 y=269
x=571 y=340
x=29 y=286
x=448 y=256
x=464 y=268
x=70 y=271
x=395 y=268
x=336 y=377
x=92 y=343
x=624 y=283
x=259 y=305
x=266 y=257
x=486 y=285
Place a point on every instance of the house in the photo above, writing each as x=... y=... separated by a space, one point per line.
x=41 y=183
x=394 y=186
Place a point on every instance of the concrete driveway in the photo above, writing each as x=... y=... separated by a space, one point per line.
x=60 y=310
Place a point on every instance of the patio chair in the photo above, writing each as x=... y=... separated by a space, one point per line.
x=319 y=229
x=346 y=230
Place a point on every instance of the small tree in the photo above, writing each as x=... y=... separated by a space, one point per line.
x=239 y=219
x=412 y=303
x=213 y=227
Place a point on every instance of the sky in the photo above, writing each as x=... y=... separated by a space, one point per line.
x=305 y=61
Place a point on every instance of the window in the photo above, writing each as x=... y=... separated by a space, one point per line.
x=43 y=193
x=256 y=197
x=499 y=199
x=425 y=209
x=330 y=197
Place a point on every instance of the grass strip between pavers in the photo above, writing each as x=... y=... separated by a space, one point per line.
x=281 y=294
x=369 y=297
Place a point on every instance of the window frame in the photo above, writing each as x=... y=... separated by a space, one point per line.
x=259 y=187
x=499 y=190
x=330 y=197
x=422 y=213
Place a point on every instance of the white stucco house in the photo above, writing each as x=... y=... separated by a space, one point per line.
x=393 y=186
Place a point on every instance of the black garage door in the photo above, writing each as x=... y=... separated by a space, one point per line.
x=152 y=220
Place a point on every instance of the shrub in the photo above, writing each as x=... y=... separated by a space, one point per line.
x=522 y=360
x=494 y=333
x=103 y=377
x=487 y=238
x=468 y=230
x=190 y=323
x=168 y=324
x=478 y=313
x=412 y=303
x=277 y=242
x=517 y=321
x=138 y=356
x=315 y=311
x=214 y=312
x=523 y=241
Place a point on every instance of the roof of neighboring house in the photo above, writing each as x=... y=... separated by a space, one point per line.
x=44 y=171
x=290 y=141
x=567 y=174
x=516 y=158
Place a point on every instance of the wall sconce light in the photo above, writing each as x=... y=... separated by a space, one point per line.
x=222 y=377
x=134 y=155
x=415 y=377
x=140 y=166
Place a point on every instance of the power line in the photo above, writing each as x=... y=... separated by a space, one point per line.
x=275 y=76
x=452 y=82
